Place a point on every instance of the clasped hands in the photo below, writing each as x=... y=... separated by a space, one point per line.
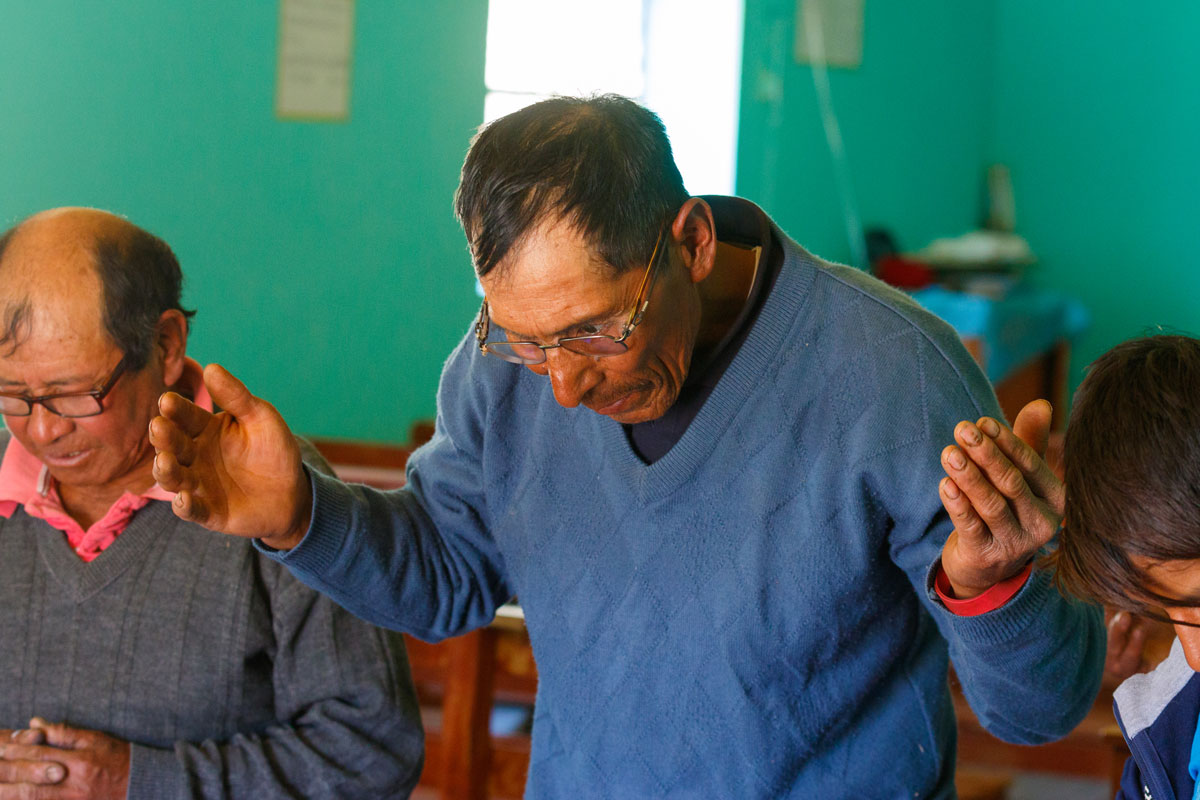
x=57 y=762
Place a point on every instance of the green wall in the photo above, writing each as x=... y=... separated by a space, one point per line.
x=1097 y=112
x=915 y=118
x=324 y=259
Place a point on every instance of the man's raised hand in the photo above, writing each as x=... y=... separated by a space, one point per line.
x=1004 y=500
x=237 y=471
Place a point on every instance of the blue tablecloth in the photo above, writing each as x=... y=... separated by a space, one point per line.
x=1021 y=326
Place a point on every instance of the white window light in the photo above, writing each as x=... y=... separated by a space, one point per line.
x=684 y=65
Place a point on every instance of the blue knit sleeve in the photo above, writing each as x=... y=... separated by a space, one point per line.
x=421 y=558
x=1030 y=669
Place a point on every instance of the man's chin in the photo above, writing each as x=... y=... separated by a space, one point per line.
x=629 y=409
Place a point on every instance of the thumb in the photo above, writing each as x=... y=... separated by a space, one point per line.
x=231 y=394
x=1032 y=425
x=57 y=735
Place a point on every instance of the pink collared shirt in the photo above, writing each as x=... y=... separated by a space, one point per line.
x=25 y=481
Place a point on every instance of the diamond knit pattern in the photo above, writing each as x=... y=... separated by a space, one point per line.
x=748 y=616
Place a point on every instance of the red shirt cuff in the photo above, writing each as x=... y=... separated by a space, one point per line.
x=990 y=600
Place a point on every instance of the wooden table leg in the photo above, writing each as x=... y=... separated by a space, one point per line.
x=466 y=715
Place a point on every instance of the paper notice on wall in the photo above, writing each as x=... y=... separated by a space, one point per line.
x=829 y=32
x=316 y=46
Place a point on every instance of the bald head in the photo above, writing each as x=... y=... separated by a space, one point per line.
x=93 y=267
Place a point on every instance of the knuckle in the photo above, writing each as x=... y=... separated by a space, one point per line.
x=1011 y=482
x=993 y=506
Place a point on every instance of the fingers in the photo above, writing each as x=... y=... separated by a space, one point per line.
x=191 y=507
x=58 y=735
x=989 y=501
x=231 y=394
x=170 y=474
x=1032 y=425
x=167 y=437
x=28 y=736
x=959 y=507
x=1034 y=470
x=29 y=764
x=190 y=418
x=173 y=477
x=41 y=773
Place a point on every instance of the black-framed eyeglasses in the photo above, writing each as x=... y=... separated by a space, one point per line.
x=70 y=404
x=599 y=345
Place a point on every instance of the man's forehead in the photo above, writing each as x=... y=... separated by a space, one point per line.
x=551 y=250
x=48 y=323
x=552 y=281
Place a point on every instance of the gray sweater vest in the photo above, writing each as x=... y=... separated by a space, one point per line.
x=231 y=678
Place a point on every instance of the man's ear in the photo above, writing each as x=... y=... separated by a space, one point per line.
x=696 y=233
x=172 y=344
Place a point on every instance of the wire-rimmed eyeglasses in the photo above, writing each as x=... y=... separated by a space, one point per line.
x=598 y=345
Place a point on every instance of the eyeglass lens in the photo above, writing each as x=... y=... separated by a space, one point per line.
x=530 y=353
x=66 y=406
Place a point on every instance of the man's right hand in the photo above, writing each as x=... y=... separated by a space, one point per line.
x=238 y=471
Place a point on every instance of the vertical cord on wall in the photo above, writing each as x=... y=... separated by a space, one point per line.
x=769 y=88
x=815 y=36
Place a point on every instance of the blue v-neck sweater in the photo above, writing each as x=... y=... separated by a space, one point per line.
x=750 y=615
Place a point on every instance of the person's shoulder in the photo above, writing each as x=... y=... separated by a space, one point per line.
x=883 y=303
x=1157 y=713
x=1163 y=699
x=878 y=318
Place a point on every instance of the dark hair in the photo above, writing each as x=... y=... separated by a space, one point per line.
x=602 y=162
x=1132 y=472
x=141 y=279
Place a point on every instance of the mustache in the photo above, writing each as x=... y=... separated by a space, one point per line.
x=594 y=400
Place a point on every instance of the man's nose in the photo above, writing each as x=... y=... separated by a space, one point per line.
x=571 y=376
x=45 y=427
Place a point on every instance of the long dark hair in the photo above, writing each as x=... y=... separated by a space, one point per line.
x=1132 y=472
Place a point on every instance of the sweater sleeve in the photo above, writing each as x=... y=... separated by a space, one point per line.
x=347 y=722
x=1031 y=668
x=420 y=559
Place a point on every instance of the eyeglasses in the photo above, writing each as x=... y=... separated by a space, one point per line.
x=71 y=404
x=599 y=345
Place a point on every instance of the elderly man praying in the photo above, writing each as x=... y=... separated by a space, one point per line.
x=706 y=461
x=140 y=656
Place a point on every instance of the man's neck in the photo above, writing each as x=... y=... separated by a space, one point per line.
x=723 y=296
x=87 y=505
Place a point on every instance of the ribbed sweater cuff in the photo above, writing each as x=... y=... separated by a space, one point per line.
x=154 y=774
x=330 y=513
x=1004 y=623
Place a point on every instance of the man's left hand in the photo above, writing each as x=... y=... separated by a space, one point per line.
x=1003 y=498
x=94 y=766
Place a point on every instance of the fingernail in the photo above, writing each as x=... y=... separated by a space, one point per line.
x=970 y=434
x=955 y=457
x=989 y=426
x=54 y=773
x=950 y=488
